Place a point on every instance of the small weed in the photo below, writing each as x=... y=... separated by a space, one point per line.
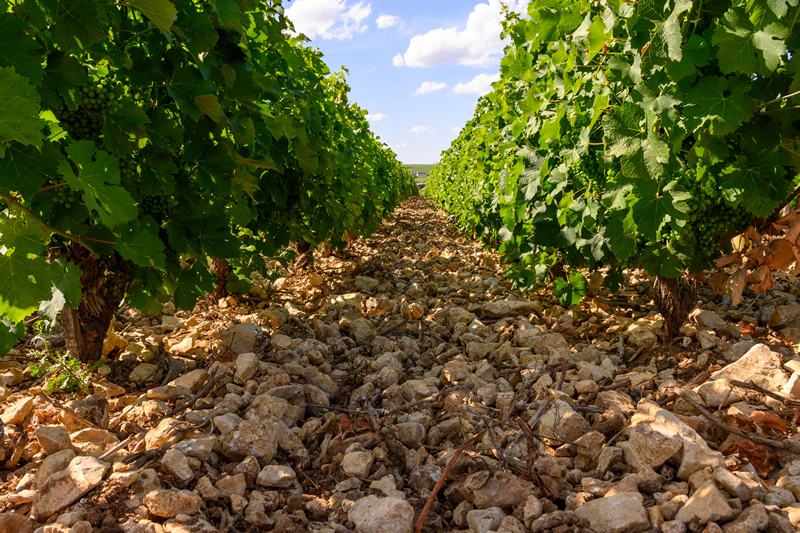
x=62 y=372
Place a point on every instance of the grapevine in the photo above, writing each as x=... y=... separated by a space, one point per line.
x=635 y=134
x=154 y=136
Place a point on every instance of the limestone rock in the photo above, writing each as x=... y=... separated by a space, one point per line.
x=381 y=515
x=169 y=503
x=240 y=338
x=358 y=464
x=502 y=489
x=504 y=308
x=16 y=523
x=620 y=513
x=759 y=364
x=276 y=476
x=246 y=367
x=66 y=486
x=53 y=439
x=707 y=504
x=755 y=518
x=15 y=413
x=176 y=464
x=649 y=447
x=485 y=520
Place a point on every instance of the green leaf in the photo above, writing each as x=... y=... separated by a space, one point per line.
x=24 y=282
x=227 y=10
x=196 y=31
x=21 y=234
x=19 y=109
x=123 y=128
x=62 y=77
x=99 y=181
x=209 y=105
x=571 y=291
x=720 y=103
x=66 y=277
x=217 y=240
x=162 y=13
x=658 y=206
x=17 y=47
x=24 y=169
x=79 y=24
x=760 y=187
x=141 y=247
x=745 y=49
x=663 y=260
x=627 y=135
x=621 y=233
x=10 y=334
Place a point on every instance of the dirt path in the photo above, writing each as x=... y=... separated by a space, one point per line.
x=335 y=399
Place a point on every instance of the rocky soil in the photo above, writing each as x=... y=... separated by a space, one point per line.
x=402 y=381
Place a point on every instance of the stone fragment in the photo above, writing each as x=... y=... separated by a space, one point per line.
x=649 y=447
x=276 y=476
x=785 y=315
x=753 y=519
x=16 y=523
x=143 y=372
x=707 y=504
x=620 y=513
x=16 y=412
x=207 y=490
x=246 y=367
x=425 y=477
x=362 y=331
x=366 y=284
x=381 y=515
x=89 y=440
x=358 y=464
x=504 y=308
x=251 y=437
x=411 y=434
x=192 y=380
x=387 y=485
x=232 y=485
x=53 y=439
x=240 y=338
x=64 y=487
x=485 y=520
x=709 y=320
x=169 y=503
x=176 y=464
x=759 y=364
x=502 y=489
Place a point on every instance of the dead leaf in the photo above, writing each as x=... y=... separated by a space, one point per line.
x=758 y=456
x=737 y=282
x=717 y=281
x=722 y=262
x=783 y=255
x=770 y=424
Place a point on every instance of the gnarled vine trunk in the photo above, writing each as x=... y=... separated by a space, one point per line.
x=675 y=298
x=222 y=269
x=104 y=284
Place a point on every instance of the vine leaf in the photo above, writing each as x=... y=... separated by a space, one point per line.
x=99 y=180
x=663 y=259
x=122 y=126
x=141 y=247
x=162 y=13
x=62 y=77
x=721 y=102
x=79 y=24
x=655 y=207
x=759 y=187
x=642 y=151
x=622 y=234
x=66 y=278
x=19 y=110
x=25 y=169
x=744 y=49
x=209 y=105
x=24 y=282
x=17 y=48
x=570 y=291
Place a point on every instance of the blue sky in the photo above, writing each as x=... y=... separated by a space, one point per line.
x=417 y=66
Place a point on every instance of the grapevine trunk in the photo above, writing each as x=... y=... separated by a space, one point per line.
x=104 y=284
x=675 y=298
x=222 y=269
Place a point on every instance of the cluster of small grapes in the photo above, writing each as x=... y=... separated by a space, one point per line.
x=86 y=122
x=587 y=172
x=128 y=171
x=158 y=207
x=65 y=196
x=710 y=217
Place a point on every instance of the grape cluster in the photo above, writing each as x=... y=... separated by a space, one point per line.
x=587 y=173
x=66 y=196
x=710 y=217
x=128 y=171
x=86 y=122
x=158 y=207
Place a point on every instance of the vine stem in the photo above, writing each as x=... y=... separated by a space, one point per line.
x=796 y=13
x=778 y=99
x=52 y=186
x=78 y=240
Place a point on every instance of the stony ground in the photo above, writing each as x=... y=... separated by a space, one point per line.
x=401 y=379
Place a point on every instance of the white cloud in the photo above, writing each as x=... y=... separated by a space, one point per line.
x=376 y=117
x=387 y=21
x=477 y=45
x=480 y=84
x=401 y=145
x=456 y=130
x=329 y=19
x=421 y=129
x=430 y=86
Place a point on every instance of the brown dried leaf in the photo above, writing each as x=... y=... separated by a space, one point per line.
x=770 y=424
x=793 y=231
x=783 y=255
x=736 y=285
x=758 y=456
x=763 y=280
x=718 y=281
x=722 y=262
